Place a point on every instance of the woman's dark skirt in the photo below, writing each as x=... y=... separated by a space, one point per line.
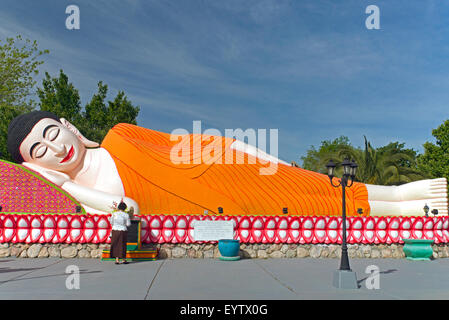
x=118 y=244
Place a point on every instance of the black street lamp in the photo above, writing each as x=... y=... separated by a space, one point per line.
x=344 y=277
x=426 y=210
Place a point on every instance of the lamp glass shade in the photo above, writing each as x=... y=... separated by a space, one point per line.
x=354 y=167
x=346 y=167
x=330 y=168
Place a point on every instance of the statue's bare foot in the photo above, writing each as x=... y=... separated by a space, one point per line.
x=409 y=199
x=423 y=189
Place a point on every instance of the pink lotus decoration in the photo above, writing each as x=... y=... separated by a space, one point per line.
x=22 y=191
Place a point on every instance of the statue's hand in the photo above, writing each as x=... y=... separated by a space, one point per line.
x=55 y=177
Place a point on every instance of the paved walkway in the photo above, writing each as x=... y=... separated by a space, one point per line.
x=249 y=279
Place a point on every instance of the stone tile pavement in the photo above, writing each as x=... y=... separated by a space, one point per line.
x=213 y=279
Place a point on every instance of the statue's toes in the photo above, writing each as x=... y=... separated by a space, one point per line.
x=440 y=204
x=438 y=182
x=438 y=188
x=438 y=193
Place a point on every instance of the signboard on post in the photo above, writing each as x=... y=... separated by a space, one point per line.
x=208 y=230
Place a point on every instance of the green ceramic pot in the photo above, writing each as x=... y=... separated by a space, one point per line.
x=418 y=249
x=229 y=249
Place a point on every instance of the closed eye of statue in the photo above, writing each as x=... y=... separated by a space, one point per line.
x=40 y=151
x=51 y=133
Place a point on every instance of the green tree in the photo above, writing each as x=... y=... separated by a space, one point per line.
x=435 y=159
x=316 y=159
x=101 y=116
x=389 y=165
x=19 y=63
x=95 y=115
x=396 y=148
x=59 y=96
x=392 y=164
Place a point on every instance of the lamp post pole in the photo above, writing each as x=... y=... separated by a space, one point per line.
x=344 y=277
x=344 y=263
x=426 y=210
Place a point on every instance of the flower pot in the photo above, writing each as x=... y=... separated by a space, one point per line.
x=418 y=249
x=229 y=249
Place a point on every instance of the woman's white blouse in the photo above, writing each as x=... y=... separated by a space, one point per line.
x=120 y=221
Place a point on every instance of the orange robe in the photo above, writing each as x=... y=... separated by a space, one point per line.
x=160 y=186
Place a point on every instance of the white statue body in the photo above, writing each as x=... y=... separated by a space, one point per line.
x=59 y=152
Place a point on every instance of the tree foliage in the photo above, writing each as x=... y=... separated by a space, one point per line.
x=389 y=165
x=59 y=96
x=316 y=159
x=101 y=117
x=19 y=63
x=392 y=164
x=435 y=159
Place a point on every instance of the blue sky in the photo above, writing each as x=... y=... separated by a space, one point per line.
x=308 y=68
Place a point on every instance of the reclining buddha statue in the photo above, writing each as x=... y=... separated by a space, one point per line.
x=136 y=165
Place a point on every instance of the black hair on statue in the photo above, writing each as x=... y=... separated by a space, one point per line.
x=20 y=127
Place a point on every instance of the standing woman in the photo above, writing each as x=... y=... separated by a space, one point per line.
x=120 y=222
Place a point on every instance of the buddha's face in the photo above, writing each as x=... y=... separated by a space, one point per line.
x=53 y=146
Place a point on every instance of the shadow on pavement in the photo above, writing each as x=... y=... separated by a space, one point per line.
x=5 y=270
x=382 y=272
x=48 y=276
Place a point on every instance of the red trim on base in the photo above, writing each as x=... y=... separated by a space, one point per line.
x=248 y=229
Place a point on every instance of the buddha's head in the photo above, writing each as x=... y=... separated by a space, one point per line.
x=41 y=138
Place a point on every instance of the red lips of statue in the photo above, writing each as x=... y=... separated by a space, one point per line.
x=69 y=155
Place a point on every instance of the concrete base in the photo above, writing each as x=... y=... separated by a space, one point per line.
x=345 y=279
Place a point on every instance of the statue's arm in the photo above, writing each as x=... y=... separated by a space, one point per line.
x=90 y=198
x=97 y=199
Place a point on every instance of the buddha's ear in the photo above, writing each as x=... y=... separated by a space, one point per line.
x=84 y=140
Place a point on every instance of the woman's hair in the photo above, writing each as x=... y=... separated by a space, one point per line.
x=20 y=127
x=122 y=206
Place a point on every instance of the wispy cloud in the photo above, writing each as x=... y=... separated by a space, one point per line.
x=308 y=68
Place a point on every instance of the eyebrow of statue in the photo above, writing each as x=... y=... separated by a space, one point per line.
x=32 y=148
x=48 y=127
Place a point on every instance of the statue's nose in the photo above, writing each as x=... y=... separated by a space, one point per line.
x=58 y=149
